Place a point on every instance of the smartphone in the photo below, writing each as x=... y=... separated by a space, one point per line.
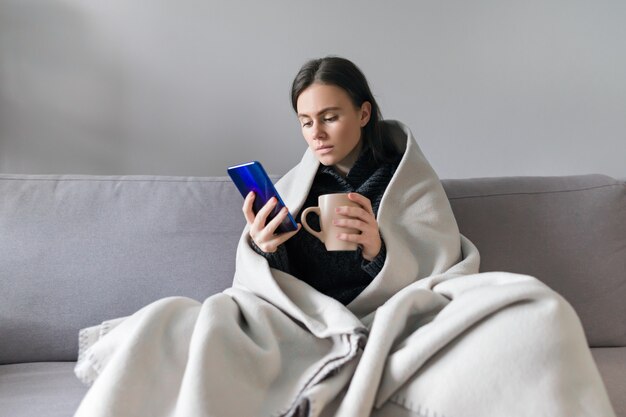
x=252 y=177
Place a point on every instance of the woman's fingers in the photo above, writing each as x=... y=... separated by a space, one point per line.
x=247 y=207
x=271 y=227
x=362 y=219
x=264 y=235
x=363 y=201
x=350 y=223
x=353 y=237
x=355 y=212
x=363 y=212
x=369 y=241
x=279 y=239
x=261 y=217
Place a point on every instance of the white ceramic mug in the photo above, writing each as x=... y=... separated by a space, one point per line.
x=325 y=209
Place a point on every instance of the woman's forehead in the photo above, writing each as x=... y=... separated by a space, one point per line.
x=320 y=98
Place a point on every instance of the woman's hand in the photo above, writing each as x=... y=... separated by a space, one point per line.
x=363 y=219
x=264 y=236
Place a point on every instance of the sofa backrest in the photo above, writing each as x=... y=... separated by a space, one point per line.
x=569 y=232
x=77 y=250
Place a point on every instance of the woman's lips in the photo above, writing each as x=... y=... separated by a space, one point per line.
x=324 y=149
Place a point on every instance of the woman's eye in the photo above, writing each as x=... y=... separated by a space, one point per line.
x=330 y=119
x=307 y=124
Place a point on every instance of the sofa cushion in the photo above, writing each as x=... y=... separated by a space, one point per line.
x=77 y=250
x=612 y=366
x=44 y=389
x=570 y=232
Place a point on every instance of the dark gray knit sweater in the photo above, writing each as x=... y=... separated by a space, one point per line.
x=343 y=274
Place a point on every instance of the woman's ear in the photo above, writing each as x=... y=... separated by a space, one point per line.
x=366 y=112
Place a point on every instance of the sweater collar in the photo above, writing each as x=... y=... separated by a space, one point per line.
x=363 y=168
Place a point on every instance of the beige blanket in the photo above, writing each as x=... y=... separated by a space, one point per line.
x=430 y=336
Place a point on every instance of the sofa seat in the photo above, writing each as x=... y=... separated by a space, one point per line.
x=50 y=388
x=39 y=389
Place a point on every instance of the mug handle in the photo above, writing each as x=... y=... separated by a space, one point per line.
x=308 y=228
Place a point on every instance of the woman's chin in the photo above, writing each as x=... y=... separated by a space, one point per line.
x=326 y=160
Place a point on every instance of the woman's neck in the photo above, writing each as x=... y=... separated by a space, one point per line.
x=346 y=164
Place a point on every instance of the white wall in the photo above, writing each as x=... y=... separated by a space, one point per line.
x=188 y=87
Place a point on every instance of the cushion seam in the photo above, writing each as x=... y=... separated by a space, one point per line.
x=536 y=192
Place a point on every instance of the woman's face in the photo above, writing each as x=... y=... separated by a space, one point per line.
x=331 y=125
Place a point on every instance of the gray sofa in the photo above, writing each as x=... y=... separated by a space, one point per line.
x=76 y=250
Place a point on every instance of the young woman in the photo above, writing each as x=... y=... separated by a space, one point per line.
x=340 y=121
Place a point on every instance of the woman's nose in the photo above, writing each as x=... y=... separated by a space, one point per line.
x=318 y=131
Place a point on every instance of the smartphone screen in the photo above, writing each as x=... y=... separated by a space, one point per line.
x=252 y=177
